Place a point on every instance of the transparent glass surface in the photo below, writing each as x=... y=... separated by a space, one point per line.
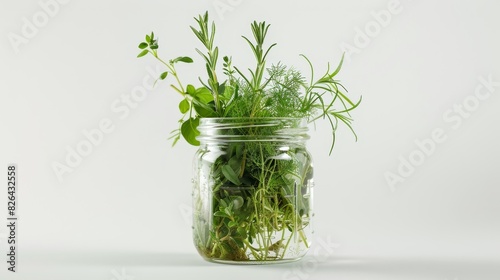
x=252 y=190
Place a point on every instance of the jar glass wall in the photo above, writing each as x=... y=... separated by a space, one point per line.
x=252 y=190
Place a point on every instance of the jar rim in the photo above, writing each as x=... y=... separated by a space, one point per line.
x=226 y=123
x=223 y=129
x=229 y=120
x=252 y=118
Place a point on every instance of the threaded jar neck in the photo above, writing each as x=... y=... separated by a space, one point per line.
x=226 y=130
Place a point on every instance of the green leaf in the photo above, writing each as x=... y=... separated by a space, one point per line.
x=235 y=164
x=176 y=139
x=222 y=88
x=232 y=224
x=223 y=203
x=163 y=75
x=184 y=106
x=204 y=95
x=221 y=214
x=230 y=175
x=338 y=67
x=209 y=72
x=190 y=89
x=229 y=209
x=148 y=38
x=143 y=53
x=184 y=59
x=143 y=45
x=189 y=130
x=175 y=135
x=204 y=110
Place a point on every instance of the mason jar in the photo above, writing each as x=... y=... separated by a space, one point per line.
x=252 y=190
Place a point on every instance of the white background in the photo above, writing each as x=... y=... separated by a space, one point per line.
x=123 y=211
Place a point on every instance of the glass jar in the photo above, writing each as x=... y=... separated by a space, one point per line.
x=252 y=193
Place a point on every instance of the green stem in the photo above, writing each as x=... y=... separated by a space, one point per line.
x=173 y=72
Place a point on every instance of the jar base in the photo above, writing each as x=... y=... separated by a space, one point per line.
x=253 y=262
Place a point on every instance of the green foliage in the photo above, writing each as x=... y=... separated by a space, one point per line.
x=259 y=31
x=184 y=106
x=252 y=188
x=189 y=131
x=283 y=92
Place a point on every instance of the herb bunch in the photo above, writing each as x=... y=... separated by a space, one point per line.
x=251 y=188
x=284 y=92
